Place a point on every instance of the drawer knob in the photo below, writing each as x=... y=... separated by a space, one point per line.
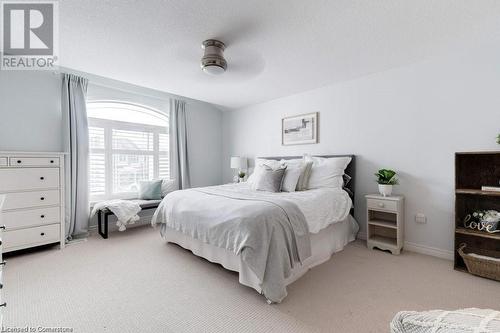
x=2 y=263
x=42 y=178
x=42 y=216
x=42 y=234
x=51 y=161
x=1 y=285
x=42 y=198
x=2 y=227
x=3 y=304
x=381 y=205
x=18 y=161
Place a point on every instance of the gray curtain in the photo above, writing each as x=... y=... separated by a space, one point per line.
x=179 y=162
x=76 y=141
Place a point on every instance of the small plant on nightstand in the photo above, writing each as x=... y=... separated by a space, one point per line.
x=241 y=176
x=386 y=178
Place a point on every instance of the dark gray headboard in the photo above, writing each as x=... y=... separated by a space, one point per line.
x=350 y=170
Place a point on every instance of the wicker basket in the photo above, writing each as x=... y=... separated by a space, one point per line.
x=481 y=266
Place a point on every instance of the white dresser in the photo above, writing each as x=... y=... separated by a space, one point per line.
x=2 y=263
x=33 y=212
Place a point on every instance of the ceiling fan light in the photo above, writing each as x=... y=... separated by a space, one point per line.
x=213 y=61
x=214 y=70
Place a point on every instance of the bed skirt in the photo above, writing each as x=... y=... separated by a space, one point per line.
x=328 y=241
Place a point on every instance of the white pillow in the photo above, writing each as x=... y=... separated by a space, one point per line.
x=327 y=172
x=307 y=174
x=304 y=167
x=291 y=177
x=259 y=163
x=167 y=186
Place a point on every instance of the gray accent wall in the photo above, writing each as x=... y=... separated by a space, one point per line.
x=411 y=119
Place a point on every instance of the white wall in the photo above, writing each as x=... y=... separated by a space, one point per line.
x=411 y=119
x=31 y=120
x=30 y=111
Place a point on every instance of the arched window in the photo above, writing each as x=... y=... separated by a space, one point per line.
x=128 y=143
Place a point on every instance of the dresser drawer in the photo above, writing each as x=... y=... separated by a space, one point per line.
x=28 y=179
x=31 y=199
x=34 y=161
x=382 y=204
x=3 y=161
x=17 y=219
x=31 y=236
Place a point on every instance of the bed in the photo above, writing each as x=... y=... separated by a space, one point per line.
x=270 y=239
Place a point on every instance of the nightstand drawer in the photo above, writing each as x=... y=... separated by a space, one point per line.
x=382 y=204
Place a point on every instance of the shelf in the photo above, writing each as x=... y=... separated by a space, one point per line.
x=482 y=152
x=477 y=233
x=385 y=224
x=477 y=192
x=383 y=240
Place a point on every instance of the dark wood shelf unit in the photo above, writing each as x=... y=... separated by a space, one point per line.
x=477 y=233
x=472 y=171
x=477 y=192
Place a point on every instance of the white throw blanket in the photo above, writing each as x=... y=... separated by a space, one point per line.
x=470 y=320
x=125 y=211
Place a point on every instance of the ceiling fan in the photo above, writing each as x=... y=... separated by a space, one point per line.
x=213 y=61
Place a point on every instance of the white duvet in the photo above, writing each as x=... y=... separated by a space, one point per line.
x=321 y=207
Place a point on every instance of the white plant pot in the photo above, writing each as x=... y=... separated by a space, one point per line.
x=385 y=190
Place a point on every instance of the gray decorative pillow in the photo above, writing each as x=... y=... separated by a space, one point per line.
x=150 y=190
x=269 y=179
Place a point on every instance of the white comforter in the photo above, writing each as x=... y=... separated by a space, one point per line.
x=321 y=207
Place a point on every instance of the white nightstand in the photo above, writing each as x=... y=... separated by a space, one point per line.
x=385 y=222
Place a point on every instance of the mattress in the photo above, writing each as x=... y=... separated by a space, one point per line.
x=324 y=244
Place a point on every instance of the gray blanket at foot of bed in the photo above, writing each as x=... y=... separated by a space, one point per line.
x=270 y=235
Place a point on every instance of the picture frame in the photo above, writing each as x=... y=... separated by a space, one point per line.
x=299 y=129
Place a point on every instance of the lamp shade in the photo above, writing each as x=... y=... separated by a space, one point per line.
x=238 y=162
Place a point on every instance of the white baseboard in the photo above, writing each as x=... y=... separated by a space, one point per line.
x=431 y=251
x=361 y=235
x=422 y=249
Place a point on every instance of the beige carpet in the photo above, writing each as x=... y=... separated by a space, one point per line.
x=134 y=282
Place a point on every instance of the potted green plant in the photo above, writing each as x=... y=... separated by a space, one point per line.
x=386 y=178
x=498 y=139
x=241 y=176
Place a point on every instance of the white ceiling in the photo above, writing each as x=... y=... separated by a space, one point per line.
x=274 y=48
